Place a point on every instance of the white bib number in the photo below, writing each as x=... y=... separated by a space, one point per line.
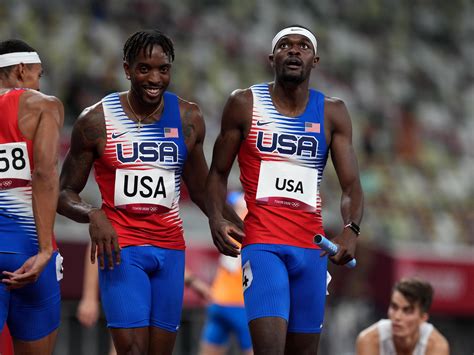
x=14 y=165
x=59 y=267
x=144 y=191
x=287 y=185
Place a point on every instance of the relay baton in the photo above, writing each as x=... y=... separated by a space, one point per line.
x=331 y=248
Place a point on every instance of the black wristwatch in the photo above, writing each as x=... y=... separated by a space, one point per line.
x=354 y=227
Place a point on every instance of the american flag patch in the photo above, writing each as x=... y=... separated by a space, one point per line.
x=171 y=133
x=311 y=127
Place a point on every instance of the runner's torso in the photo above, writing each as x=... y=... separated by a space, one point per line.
x=17 y=223
x=281 y=163
x=139 y=175
x=387 y=347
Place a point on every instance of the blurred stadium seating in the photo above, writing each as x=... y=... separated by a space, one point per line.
x=404 y=70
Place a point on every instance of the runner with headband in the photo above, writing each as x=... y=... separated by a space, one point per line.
x=282 y=133
x=30 y=264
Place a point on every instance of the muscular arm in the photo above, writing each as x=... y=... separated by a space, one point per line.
x=87 y=141
x=235 y=124
x=345 y=164
x=45 y=177
x=87 y=134
x=195 y=168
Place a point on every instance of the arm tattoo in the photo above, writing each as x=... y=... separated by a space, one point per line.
x=188 y=127
x=93 y=132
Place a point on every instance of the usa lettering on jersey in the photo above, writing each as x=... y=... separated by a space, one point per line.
x=147 y=152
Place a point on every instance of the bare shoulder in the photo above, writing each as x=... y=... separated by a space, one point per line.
x=192 y=122
x=335 y=107
x=189 y=109
x=241 y=97
x=35 y=100
x=90 y=116
x=437 y=344
x=36 y=108
x=238 y=111
x=368 y=341
x=336 y=116
x=89 y=127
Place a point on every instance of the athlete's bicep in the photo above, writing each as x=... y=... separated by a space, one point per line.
x=342 y=150
x=46 y=136
x=235 y=123
x=85 y=139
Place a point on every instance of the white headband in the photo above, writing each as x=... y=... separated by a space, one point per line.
x=19 y=57
x=298 y=31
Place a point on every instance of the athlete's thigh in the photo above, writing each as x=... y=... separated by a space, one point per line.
x=167 y=286
x=161 y=341
x=307 y=291
x=302 y=343
x=215 y=329
x=35 y=309
x=43 y=346
x=131 y=340
x=265 y=282
x=125 y=290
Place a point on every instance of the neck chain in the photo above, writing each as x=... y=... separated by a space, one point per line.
x=139 y=120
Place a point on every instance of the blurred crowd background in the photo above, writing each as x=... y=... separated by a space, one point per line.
x=404 y=69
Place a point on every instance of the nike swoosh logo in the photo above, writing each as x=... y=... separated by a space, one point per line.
x=117 y=135
x=263 y=123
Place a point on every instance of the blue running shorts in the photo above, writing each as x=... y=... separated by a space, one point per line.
x=33 y=311
x=222 y=321
x=285 y=281
x=145 y=290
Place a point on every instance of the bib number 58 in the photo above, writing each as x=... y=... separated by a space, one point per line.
x=16 y=159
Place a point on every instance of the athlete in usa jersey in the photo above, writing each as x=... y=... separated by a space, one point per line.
x=139 y=175
x=30 y=265
x=282 y=133
x=281 y=164
x=141 y=143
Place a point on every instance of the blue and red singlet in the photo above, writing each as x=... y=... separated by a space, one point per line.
x=281 y=163
x=139 y=175
x=17 y=223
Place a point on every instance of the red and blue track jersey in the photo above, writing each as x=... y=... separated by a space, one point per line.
x=139 y=175
x=17 y=223
x=281 y=164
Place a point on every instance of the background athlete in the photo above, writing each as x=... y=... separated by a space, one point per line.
x=30 y=265
x=283 y=133
x=406 y=331
x=140 y=142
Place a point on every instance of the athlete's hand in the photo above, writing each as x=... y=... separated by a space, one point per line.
x=223 y=232
x=88 y=312
x=103 y=239
x=29 y=272
x=346 y=242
